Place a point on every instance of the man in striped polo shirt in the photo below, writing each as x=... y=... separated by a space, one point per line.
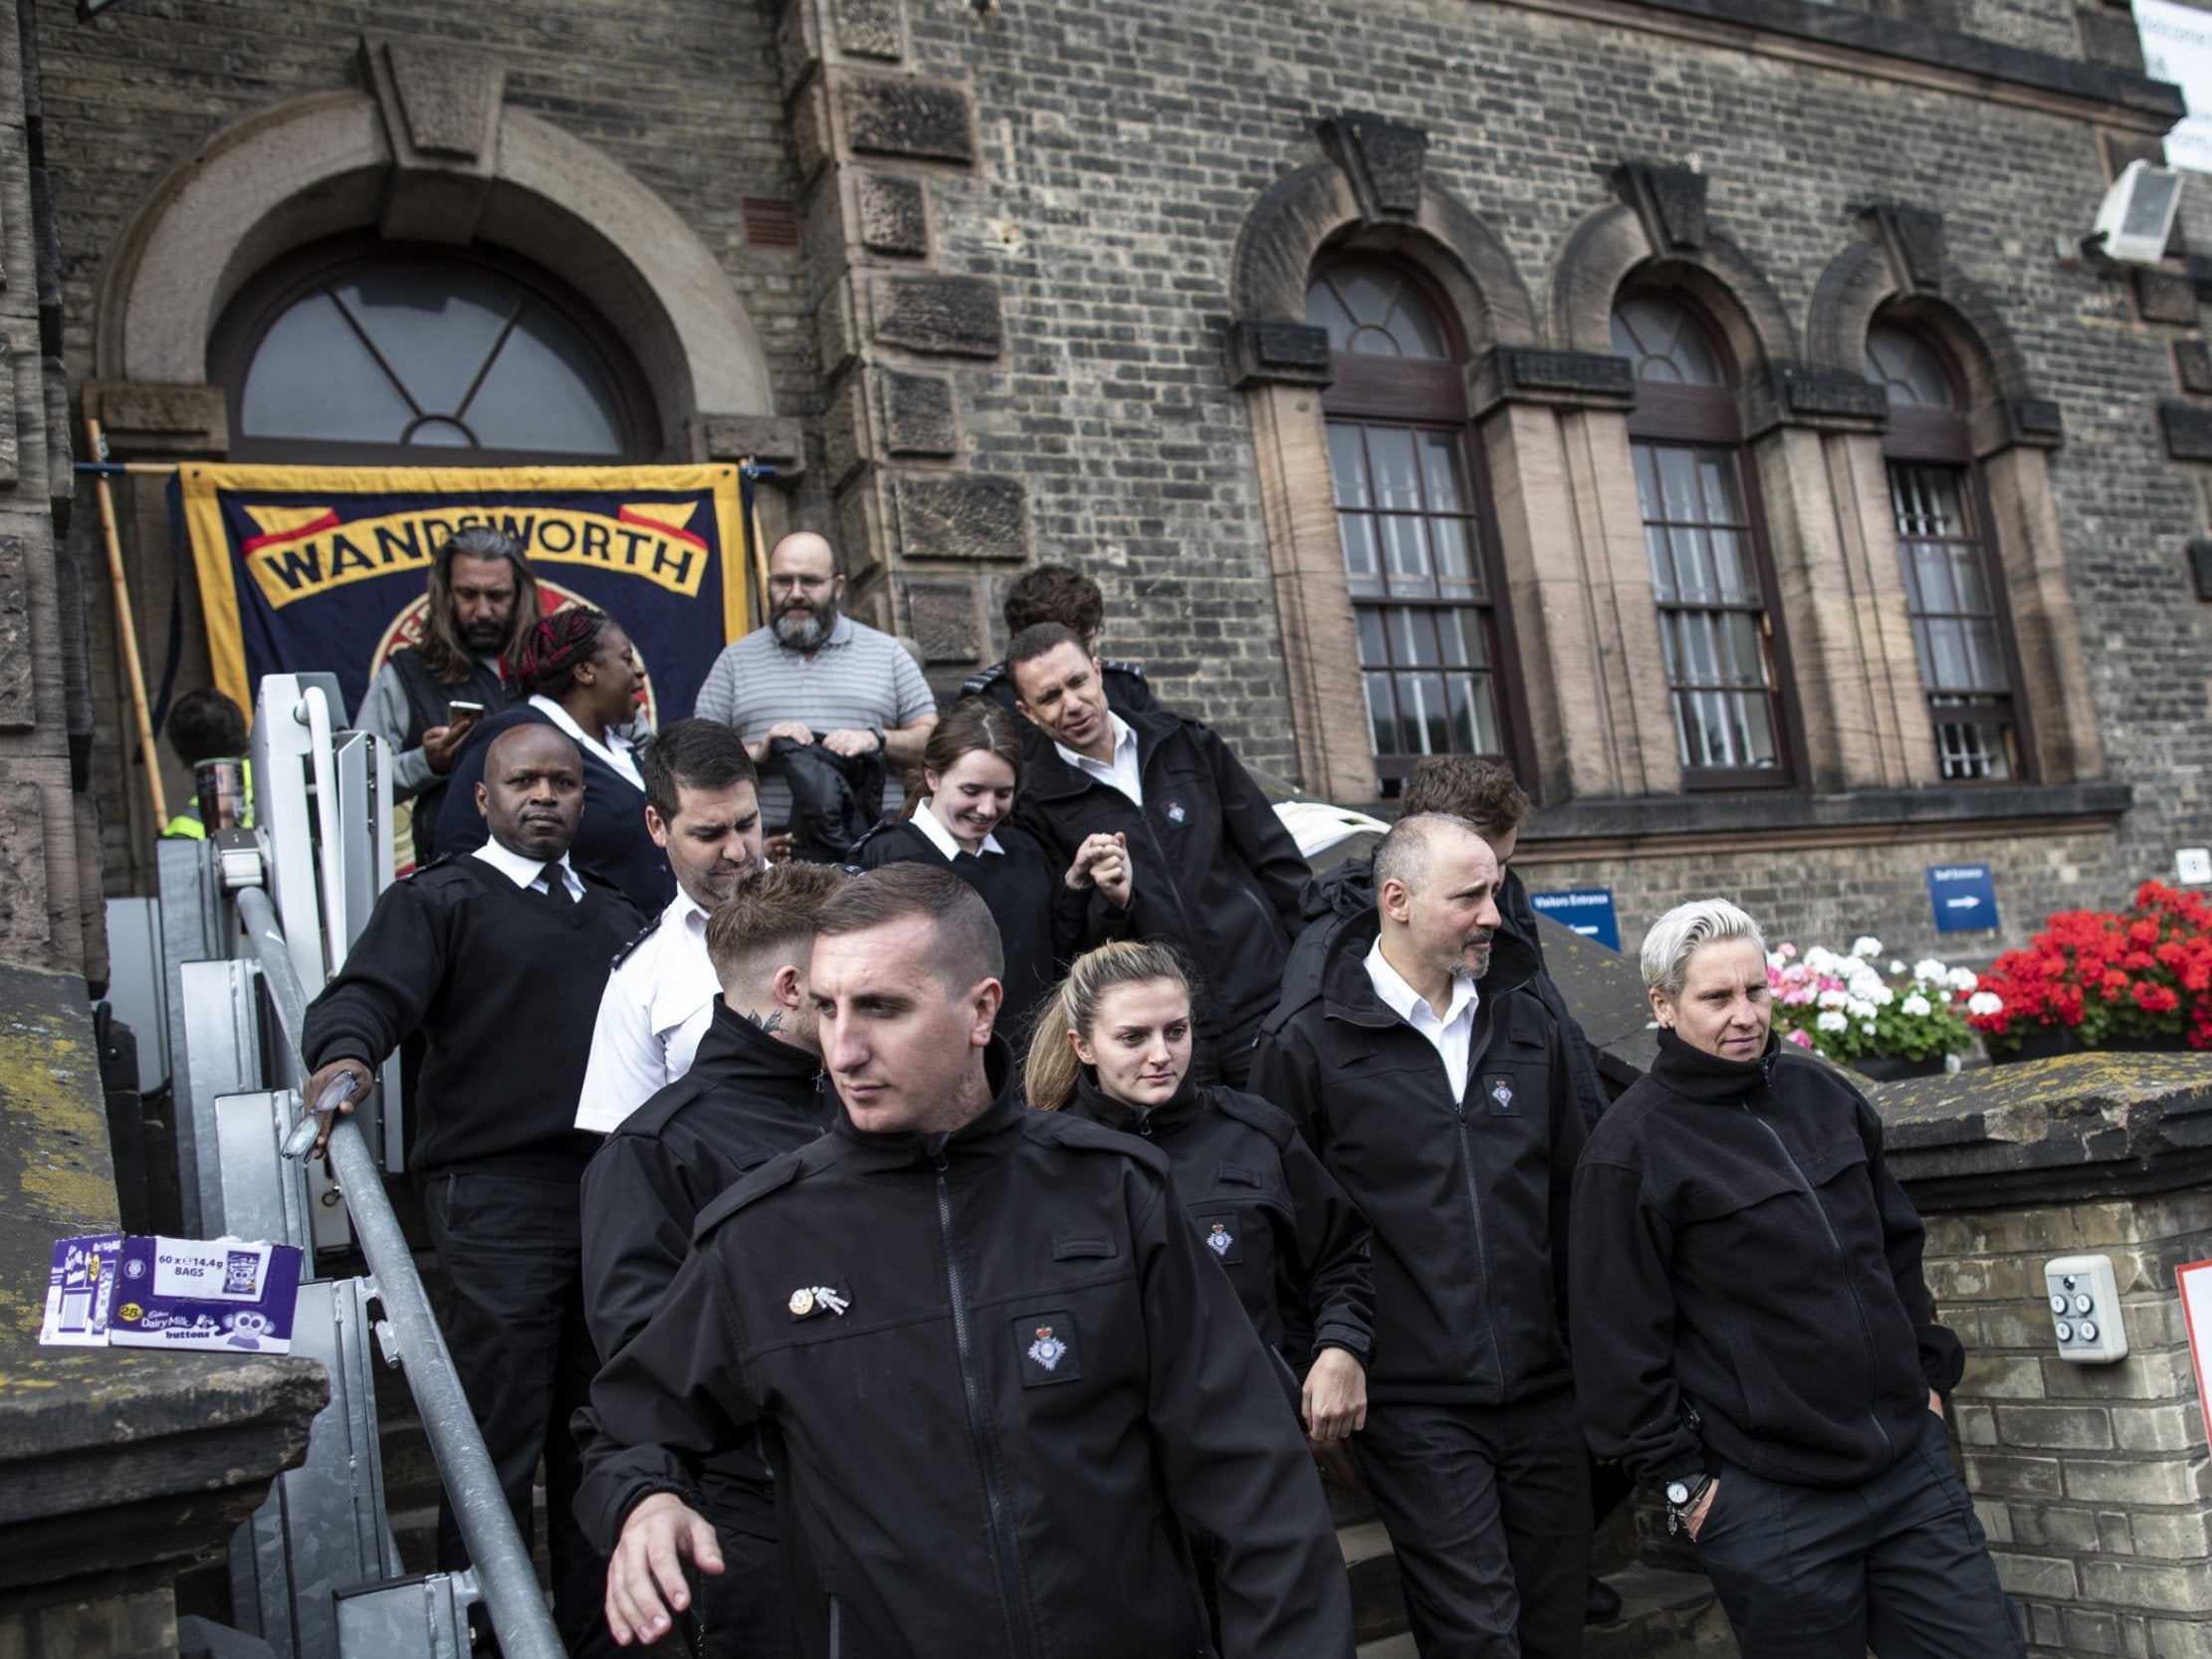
x=814 y=675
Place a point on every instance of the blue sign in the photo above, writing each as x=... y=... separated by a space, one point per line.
x=1589 y=910
x=1965 y=897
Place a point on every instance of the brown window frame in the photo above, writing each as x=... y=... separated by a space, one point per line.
x=253 y=311
x=1709 y=418
x=1422 y=395
x=1941 y=438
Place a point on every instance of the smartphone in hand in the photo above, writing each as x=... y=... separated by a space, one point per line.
x=461 y=713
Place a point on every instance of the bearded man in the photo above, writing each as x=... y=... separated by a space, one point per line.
x=815 y=676
x=429 y=695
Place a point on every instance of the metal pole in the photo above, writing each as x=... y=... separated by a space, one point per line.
x=126 y=632
x=503 y=1566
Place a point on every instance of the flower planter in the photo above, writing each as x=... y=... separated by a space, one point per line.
x=2046 y=1044
x=2145 y=1045
x=1894 y=1068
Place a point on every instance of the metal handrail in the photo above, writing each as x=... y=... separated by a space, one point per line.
x=503 y=1571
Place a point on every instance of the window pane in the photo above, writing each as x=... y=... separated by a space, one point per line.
x=1694 y=573
x=1348 y=465
x=1665 y=343
x=1361 y=560
x=1440 y=472
x=1731 y=555
x=435 y=327
x=1412 y=639
x=1397 y=483
x=1759 y=748
x=1405 y=554
x=1463 y=640
x=314 y=378
x=1951 y=599
x=1382 y=715
x=1373 y=652
x=1428 y=716
x=1325 y=311
x=1662 y=563
x=1747 y=660
x=1678 y=495
x=541 y=394
x=1454 y=559
x=1368 y=291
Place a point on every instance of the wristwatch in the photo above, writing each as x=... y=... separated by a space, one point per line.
x=1680 y=1494
x=882 y=742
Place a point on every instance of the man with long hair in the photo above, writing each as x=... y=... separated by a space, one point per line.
x=482 y=601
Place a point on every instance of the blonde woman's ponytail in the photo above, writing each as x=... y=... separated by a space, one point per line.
x=1051 y=1071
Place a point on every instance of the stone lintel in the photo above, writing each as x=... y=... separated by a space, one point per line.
x=2034 y=422
x=1840 y=402
x=440 y=105
x=1562 y=380
x=774 y=439
x=147 y=420
x=1279 y=354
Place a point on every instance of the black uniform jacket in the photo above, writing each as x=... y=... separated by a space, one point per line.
x=1346 y=890
x=1747 y=1277
x=1468 y=1198
x=1215 y=871
x=1031 y=1368
x=746 y=1097
x=1263 y=1206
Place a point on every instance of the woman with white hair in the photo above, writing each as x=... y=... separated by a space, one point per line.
x=1752 y=1334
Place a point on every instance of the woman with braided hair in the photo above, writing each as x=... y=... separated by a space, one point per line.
x=579 y=674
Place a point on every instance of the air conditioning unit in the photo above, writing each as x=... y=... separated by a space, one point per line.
x=2136 y=215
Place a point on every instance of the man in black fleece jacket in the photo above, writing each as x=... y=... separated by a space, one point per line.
x=498 y=958
x=755 y=1090
x=1752 y=1336
x=983 y=1350
x=1434 y=1086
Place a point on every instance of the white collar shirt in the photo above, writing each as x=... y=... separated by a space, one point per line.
x=611 y=746
x=658 y=1003
x=1124 y=771
x=1451 y=1034
x=942 y=838
x=524 y=871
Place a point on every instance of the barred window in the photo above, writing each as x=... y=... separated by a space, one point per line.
x=1711 y=575
x=1954 y=587
x=1418 y=556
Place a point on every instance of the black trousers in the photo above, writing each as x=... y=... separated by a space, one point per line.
x=512 y=1250
x=1488 y=1512
x=1899 y=1565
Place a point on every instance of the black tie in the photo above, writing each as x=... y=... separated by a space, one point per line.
x=555 y=896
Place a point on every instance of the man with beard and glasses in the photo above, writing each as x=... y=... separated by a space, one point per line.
x=482 y=601
x=1435 y=1084
x=815 y=676
x=496 y=957
x=702 y=808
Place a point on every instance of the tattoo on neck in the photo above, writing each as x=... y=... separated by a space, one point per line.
x=771 y=1025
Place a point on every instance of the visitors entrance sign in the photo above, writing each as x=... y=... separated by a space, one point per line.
x=1589 y=910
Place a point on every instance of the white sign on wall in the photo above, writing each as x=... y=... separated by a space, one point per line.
x=2177 y=47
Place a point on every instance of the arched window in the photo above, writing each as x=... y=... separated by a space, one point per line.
x=382 y=353
x=1953 y=586
x=1418 y=548
x=1710 y=574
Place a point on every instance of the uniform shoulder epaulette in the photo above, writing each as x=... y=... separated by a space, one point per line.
x=852 y=864
x=975 y=685
x=630 y=950
x=1262 y=1115
x=662 y=1104
x=773 y=1175
x=1114 y=665
x=1066 y=1130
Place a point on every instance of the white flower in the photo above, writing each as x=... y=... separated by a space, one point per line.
x=1820 y=958
x=1865 y=945
x=1985 y=1002
x=1929 y=971
x=1777 y=961
x=1881 y=997
x=1831 y=1019
x=1916 y=1007
x=1832 y=1000
x=1859 y=1008
x=1867 y=1028
x=1961 y=980
x=1897 y=966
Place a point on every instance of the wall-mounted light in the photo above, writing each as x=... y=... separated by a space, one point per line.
x=2136 y=216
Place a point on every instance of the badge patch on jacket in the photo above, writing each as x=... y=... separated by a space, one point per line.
x=1046 y=1345
x=1501 y=1098
x=1221 y=1234
x=1175 y=813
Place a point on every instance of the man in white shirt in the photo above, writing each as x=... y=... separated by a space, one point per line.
x=1435 y=1084
x=703 y=809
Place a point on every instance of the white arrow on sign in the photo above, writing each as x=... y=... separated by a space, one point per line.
x=1965 y=904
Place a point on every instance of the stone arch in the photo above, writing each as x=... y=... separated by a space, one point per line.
x=1862 y=281
x=1317 y=207
x=1610 y=245
x=330 y=162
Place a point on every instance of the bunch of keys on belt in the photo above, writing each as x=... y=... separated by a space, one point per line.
x=342 y=1088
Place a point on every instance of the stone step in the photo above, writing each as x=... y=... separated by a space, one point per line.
x=1378 y=1598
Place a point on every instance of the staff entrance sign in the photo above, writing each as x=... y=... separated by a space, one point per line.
x=1965 y=897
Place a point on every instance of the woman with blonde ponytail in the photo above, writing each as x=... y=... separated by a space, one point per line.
x=1114 y=1045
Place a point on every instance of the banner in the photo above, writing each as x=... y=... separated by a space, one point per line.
x=324 y=567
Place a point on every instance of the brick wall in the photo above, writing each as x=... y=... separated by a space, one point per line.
x=2090 y=1480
